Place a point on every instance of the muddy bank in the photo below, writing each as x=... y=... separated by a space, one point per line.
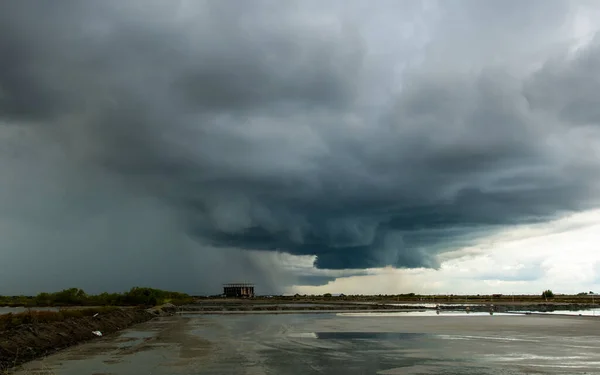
x=30 y=341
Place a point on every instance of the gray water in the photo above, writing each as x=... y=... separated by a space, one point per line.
x=338 y=344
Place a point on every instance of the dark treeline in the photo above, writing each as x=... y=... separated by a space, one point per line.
x=77 y=297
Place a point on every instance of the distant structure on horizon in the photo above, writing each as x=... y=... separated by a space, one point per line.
x=238 y=290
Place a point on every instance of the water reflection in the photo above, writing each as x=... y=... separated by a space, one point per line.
x=424 y=313
x=367 y=335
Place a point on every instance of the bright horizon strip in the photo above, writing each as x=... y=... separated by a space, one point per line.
x=560 y=255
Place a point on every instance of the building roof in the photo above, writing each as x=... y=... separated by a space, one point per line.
x=238 y=285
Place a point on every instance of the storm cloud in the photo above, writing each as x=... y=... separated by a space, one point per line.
x=187 y=136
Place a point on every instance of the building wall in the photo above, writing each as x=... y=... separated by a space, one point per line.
x=238 y=291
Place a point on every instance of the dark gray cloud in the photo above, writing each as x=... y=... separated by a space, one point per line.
x=174 y=136
x=567 y=85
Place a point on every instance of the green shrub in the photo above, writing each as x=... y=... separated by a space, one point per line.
x=547 y=294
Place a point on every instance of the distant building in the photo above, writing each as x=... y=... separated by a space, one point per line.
x=242 y=290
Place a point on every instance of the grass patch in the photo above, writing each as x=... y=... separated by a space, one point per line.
x=77 y=297
x=10 y=320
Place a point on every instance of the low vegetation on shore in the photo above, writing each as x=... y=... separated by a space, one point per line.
x=138 y=296
x=12 y=320
x=77 y=297
x=546 y=296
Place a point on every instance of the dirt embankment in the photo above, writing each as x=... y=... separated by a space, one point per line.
x=30 y=341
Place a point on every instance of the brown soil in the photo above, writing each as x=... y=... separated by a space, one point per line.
x=31 y=341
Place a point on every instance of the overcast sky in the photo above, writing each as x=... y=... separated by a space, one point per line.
x=307 y=146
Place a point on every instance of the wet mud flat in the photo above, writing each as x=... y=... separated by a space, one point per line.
x=338 y=344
